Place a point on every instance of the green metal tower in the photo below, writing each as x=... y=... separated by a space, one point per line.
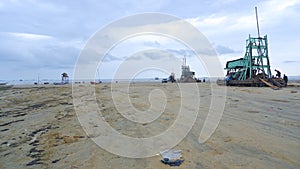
x=254 y=69
x=256 y=60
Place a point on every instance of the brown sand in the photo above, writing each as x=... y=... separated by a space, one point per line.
x=260 y=128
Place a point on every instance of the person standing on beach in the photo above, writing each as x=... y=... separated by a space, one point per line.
x=278 y=73
x=285 y=78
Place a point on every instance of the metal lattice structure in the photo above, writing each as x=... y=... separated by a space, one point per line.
x=255 y=62
x=254 y=69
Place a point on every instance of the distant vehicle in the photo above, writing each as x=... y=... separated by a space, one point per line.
x=164 y=81
x=156 y=78
x=96 y=82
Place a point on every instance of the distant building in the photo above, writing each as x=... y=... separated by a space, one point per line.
x=186 y=74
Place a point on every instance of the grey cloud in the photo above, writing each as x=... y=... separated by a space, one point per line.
x=28 y=53
x=291 y=61
x=109 y=57
x=135 y=57
x=154 y=55
x=152 y=43
x=151 y=54
x=191 y=53
x=224 y=50
x=182 y=52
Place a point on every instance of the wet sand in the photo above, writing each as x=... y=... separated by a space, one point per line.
x=260 y=128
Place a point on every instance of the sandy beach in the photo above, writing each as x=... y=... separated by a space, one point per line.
x=39 y=128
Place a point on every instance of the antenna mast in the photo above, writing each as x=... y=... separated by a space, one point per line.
x=257 y=22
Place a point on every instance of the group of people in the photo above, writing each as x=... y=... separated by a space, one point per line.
x=278 y=75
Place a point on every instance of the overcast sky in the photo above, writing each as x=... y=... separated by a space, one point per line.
x=45 y=37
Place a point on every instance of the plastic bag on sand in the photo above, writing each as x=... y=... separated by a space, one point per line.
x=171 y=157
